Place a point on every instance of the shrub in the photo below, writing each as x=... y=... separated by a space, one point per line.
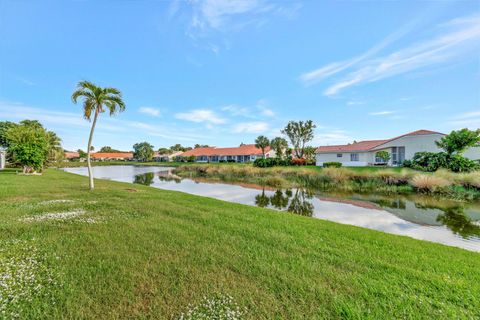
x=391 y=177
x=337 y=174
x=429 y=183
x=261 y=163
x=298 y=161
x=431 y=161
x=332 y=164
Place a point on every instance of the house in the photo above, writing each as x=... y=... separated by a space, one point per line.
x=363 y=153
x=2 y=159
x=243 y=153
x=166 y=157
x=69 y=155
x=105 y=156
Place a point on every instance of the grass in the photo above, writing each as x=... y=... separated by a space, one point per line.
x=140 y=252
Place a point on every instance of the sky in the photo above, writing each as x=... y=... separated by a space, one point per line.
x=222 y=72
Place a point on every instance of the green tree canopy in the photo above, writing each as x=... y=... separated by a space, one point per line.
x=299 y=133
x=384 y=155
x=309 y=154
x=457 y=142
x=179 y=147
x=108 y=149
x=279 y=145
x=143 y=151
x=262 y=143
x=4 y=126
x=29 y=146
x=164 y=151
x=81 y=153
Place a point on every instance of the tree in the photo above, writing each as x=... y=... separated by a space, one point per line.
x=299 y=133
x=383 y=155
x=457 y=142
x=55 y=150
x=95 y=101
x=29 y=146
x=279 y=145
x=164 y=151
x=81 y=153
x=262 y=143
x=178 y=147
x=4 y=127
x=201 y=146
x=309 y=153
x=108 y=149
x=143 y=151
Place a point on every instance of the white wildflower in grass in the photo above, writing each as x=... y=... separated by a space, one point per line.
x=217 y=307
x=25 y=279
x=57 y=216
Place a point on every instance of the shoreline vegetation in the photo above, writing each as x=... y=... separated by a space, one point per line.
x=442 y=183
x=376 y=180
x=159 y=254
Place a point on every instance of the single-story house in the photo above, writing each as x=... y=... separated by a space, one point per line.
x=3 y=160
x=166 y=157
x=71 y=155
x=243 y=153
x=105 y=156
x=363 y=153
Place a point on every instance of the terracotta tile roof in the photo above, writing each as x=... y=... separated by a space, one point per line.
x=111 y=155
x=71 y=155
x=356 y=146
x=369 y=144
x=244 y=150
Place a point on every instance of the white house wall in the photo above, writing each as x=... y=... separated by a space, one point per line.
x=414 y=144
x=364 y=159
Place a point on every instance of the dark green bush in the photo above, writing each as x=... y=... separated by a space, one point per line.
x=332 y=164
x=432 y=161
x=270 y=162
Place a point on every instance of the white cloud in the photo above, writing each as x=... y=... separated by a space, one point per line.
x=461 y=38
x=332 y=137
x=236 y=110
x=382 y=113
x=355 y=103
x=150 y=111
x=200 y=115
x=466 y=120
x=227 y=16
x=251 y=127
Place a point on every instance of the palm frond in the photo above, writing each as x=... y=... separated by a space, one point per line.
x=115 y=104
x=88 y=107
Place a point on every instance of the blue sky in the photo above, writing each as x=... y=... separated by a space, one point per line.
x=223 y=72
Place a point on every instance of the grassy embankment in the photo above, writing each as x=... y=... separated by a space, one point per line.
x=460 y=186
x=130 y=251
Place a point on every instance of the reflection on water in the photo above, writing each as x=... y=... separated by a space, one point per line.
x=144 y=178
x=456 y=220
x=298 y=202
x=421 y=217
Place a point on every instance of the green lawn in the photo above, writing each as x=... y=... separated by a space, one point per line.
x=140 y=252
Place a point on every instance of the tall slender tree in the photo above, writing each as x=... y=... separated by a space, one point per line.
x=262 y=143
x=279 y=145
x=299 y=134
x=96 y=100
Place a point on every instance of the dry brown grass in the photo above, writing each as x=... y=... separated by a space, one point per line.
x=429 y=182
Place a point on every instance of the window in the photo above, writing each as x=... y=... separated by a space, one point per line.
x=339 y=155
x=354 y=157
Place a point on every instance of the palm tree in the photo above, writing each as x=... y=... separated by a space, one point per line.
x=95 y=100
x=262 y=142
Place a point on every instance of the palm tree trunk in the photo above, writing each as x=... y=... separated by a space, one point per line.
x=90 y=138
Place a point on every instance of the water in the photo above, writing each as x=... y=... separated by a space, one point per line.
x=420 y=217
